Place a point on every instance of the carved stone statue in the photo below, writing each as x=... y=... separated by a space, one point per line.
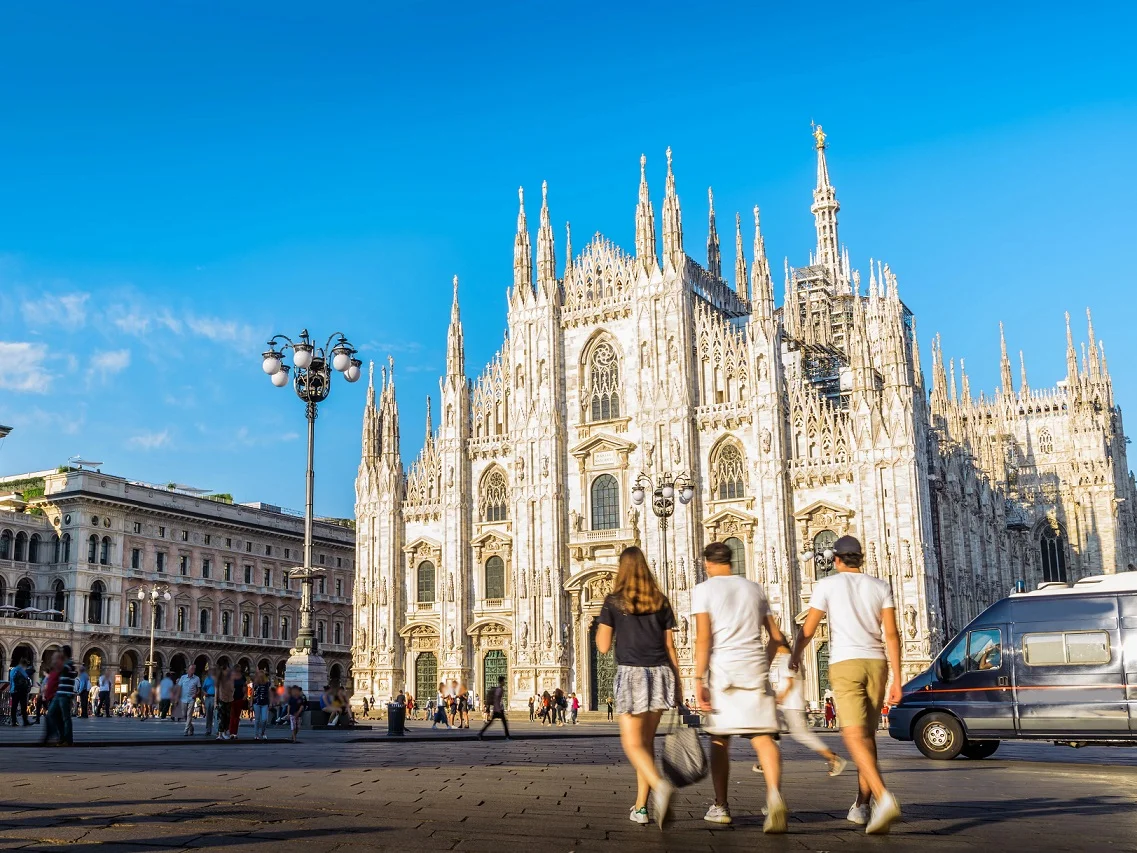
x=521 y=585
x=675 y=452
x=907 y=559
x=524 y=635
x=634 y=521
x=649 y=454
x=682 y=573
x=545 y=466
x=548 y=634
x=383 y=592
x=450 y=588
x=683 y=630
x=565 y=634
x=452 y=644
x=767 y=440
x=450 y=477
x=383 y=638
x=576 y=521
x=521 y=469
x=910 y=621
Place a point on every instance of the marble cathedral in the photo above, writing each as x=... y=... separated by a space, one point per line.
x=797 y=423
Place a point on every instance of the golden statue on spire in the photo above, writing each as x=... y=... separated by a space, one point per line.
x=819 y=135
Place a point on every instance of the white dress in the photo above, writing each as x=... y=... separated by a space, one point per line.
x=742 y=699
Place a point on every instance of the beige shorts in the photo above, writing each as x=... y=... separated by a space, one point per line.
x=858 y=689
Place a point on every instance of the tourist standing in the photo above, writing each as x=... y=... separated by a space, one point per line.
x=295 y=709
x=83 y=691
x=165 y=695
x=863 y=644
x=609 y=703
x=48 y=685
x=532 y=712
x=224 y=701
x=830 y=713
x=261 y=699
x=732 y=672
x=790 y=689
x=638 y=618
x=497 y=708
x=575 y=708
x=21 y=685
x=440 y=708
x=145 y=698
x=104 y=706
x=189 y=688
x=64 y=694
x=240 y=689
x=209 y=698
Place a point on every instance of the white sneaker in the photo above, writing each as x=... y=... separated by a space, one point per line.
x=776 y=814
x=639 y=816
x=757 y=768
x=884 y=811
x=859 y=814
x=837 y=766
x=717 y=814
x=661 y=799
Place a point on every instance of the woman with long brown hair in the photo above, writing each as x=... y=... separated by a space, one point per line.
x=638 y=617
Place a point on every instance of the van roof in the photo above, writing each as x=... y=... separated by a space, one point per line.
x=1121 y=582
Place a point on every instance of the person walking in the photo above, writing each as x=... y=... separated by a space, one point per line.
x=638 y=618
x=165 y=695
x=440 y=708
x=189 y=688
x=732 y=673
x=497 y=705
x=48 y=685
x=575 y=708
x=21 y=686
x=863 y=644
x=224 y=701
x=295 y=709
x=209 y=698
x=83 y=691
x=830 y=713
x=261 y=698
x=240 y=689
x=104 y=704
x=532 y=713
x=64 y=695
x=790 y=690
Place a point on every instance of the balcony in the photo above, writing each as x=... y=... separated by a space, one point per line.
x=425 y=607
x=585 y=544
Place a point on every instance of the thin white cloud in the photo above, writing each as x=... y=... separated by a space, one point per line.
x=221 y=331
x=23 y=367
x=68 y=310
x=150 y=440
x=103 y=365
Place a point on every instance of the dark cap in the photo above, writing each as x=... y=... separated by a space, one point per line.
x=847 y=545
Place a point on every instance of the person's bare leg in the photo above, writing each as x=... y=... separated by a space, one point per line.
x=862 y=748
x=720 y=767
x=770 y=757
x=633 y=735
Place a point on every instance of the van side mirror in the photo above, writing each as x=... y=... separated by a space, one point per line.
x=938 y=668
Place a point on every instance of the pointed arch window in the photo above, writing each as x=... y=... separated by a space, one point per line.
x=605 y=503
x=729 y=473
x=1045 y=442
x=495 y=497
x=495 y=577
x=1052 y=546
x=426 y=584
x=604 y=383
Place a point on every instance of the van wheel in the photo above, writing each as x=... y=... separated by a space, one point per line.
x=939 y=736
x=980 y=748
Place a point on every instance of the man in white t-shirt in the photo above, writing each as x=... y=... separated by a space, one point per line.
x=189 y=686
x=732 y=672
x=790 y=689
x=863 y=643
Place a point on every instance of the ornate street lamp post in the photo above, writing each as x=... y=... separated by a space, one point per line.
x=157 y=593
x=311 y=372
x=664 y=490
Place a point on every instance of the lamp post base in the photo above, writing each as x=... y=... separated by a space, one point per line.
x=308 y=670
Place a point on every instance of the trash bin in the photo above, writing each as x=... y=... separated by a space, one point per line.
x=396 y=719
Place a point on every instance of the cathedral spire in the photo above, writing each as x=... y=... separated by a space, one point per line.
x=568 y=251
x=1093 y=367
x=1005 y=364
x=672 y=221
x=370 y=419
x=546 y=257
x=522 y=253
x=824 y=209
x=790 y=308
x=714 y=254
x=761 y=282
x=1023 y=387
x=455 y=342
x=741 y=285
x=389 y=420
x=645 y=221
x=917 y=368
x=429 y=439
x=951 y=368
x=1071 y=356
x=965 y=389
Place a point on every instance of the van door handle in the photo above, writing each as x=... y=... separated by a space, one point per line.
x=1004 y=681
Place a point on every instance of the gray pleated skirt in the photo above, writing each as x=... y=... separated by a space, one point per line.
x=640 y=689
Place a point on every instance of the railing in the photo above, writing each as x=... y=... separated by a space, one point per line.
x=424 y=606
x=621 y=534
x=493 y=603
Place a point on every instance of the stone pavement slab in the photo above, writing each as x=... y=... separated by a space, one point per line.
x=557 y=794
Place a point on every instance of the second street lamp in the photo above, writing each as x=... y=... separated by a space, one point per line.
x=311 y=373
x=664 y=491
x=157 y=593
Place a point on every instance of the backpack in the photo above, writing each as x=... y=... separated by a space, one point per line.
x=21 y=683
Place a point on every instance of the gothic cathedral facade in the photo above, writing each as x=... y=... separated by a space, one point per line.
x=796 y=423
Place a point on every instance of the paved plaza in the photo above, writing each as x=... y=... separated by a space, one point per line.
x=541 y=791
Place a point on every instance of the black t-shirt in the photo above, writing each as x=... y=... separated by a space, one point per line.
x=639 y=637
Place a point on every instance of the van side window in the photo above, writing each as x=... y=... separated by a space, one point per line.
x=954 y=662
x=1074 y=648
x=984 y=650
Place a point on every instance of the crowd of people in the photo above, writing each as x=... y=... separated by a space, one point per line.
x=738 y=647
x=219 y=698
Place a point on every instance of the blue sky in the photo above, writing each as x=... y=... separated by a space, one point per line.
x=180 y=180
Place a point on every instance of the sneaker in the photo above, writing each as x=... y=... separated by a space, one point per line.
x=661 y=799
x=884 y=811
x=639 y=816
x=757 y=768
x=837 y=766
x=717 y=814
x=776 y=815
x=859 y=814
